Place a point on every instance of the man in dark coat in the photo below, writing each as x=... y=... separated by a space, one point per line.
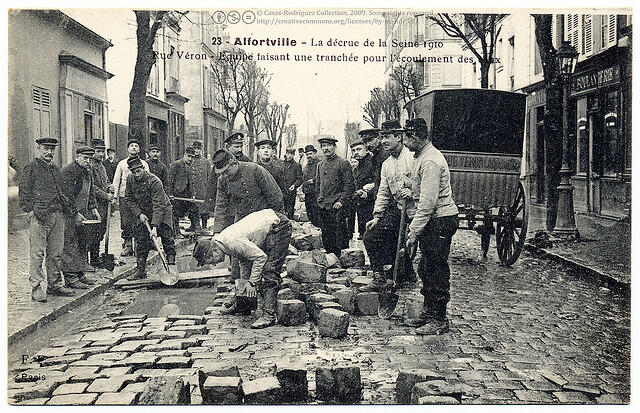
x=200 y=170
x=77 y=185
x=156 y=166
x=148 y=203
x=180 y=186
x=110 y=164
x=371 y=139
x=268 y=160
x=103 y=197
x=292 y=180
x=234 y=143
x=364 y=176
x=41 y=196
x=308 y=185
x=334 y=185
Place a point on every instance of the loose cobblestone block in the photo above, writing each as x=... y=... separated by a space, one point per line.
x=61 y=360
x=305 y=272
x=286 y=294
x=367 y=303
x=360 y=281
x=293 y=381
x=39 y=389
x=316 y=298
x=190 y=330
x=347 y=299
x=51 y=352
x=135 y=387
x=134 y=345
x=612 y=399
x=184 y=323
x=533 y=396
x=333 y=323
x=130 y=317
x=111 y=384
x=408 y=378
x=325 y=305
x=113 y=356
x=173 y=362
x=435 y=388
x=137 y=360
x=117 y=399
x=291 y=312
x=179 y=353
x=263 y=391
x=302 y=242
x=83 y=399
x=198 y=318
x=333 y=261
x=581 y=388
x=553 y=378
x=333 y=287
x=70 y=388
x=352 y=258
x=339 y=384
x=438 y=400
x=572 y=397
x=166 y=390
x=221 y=390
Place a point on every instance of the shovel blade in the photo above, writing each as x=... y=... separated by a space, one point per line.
x=108 y=261
x=169 y=275
x=387 y=304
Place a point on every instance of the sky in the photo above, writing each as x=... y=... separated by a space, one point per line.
x=322 y=95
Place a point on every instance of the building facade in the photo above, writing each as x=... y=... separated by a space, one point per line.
x=57 y=84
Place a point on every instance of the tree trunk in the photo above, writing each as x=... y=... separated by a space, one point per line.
x=484 y=74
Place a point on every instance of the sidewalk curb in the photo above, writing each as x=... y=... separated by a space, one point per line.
x=582 y=270
x=81 y=299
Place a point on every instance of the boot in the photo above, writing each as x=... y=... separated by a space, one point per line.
x=438 y=324
x=94 y=259
x=171 y=259
x=235 y=308
x=379 y=283
x=427 y=314
x=61 y=291
x=38 y=294
x=141 y=267
x=268 y=306
x=127 y=249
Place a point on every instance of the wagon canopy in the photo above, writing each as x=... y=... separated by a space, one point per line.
x=473 y=120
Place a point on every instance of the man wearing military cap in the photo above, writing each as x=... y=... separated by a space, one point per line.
x=119 y=186
x=181 y=185
x=148 y=202
x=364 y=176
x=269 y=161
x=334 y=184
x=200 y=170
x=308 y=185
x=79 y=189
x=103 y=197
x=156 y=166
x=292 y=181
x=41 y=196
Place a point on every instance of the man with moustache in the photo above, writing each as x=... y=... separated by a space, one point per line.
x=119 y=185
x=40 y=195
x=268 y=160
x=180 y=185
x=110 y=164
x=334 y=185
x=200 y=170
x=292 y=180
x=364 y=176
x=103 y=197
x=77 y=186
x=308 y=185
x=381 y=236
x=156 y=166
x=371 y=139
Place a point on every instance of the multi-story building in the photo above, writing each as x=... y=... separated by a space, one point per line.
x=204 y=115
x=57 y=84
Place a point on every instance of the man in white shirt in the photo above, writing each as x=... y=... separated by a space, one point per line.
x=381 y=236
x=119 y=185
x=260 y=241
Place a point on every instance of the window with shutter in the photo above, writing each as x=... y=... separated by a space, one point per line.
x=572 y=30
x=41 y=112
x=611 y=33
x=587 y=34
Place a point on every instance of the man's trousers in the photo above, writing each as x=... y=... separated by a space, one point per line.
x=46 y=242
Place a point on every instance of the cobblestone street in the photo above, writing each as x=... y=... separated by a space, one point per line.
x=532 y=333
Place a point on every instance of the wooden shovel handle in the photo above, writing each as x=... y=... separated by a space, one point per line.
x=400 y=241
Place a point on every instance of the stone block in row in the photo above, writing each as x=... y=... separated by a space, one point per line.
x=262 y=391
x=333 y=323
x=339 y=384
x=367 y=303
x=352 y=258
x=407 y=379
x=222 y=390
x=293 y=381
x=166 y=390
x=291 y=312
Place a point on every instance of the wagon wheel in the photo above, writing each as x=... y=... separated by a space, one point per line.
x=511 y=228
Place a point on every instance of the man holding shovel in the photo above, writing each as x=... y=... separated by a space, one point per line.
x=260 y=241
x=149 y=204
x=434 y=224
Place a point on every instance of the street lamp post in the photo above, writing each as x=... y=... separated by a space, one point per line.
x=565 y=221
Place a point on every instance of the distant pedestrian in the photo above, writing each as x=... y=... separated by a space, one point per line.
x=433 y=225
x=261 y=240
x=41 y=196
x=334 y=186
x=104 y=196
x=110 y=164
x=78 y=187
x=119 y=186
x=180 y=185
x=148 y=203
x=308 y=185
x=364 y=176
x=292 y=181
x=200 y=170
x=268 y=159
x=156 y=166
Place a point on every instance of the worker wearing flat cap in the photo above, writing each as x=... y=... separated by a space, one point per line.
x=104 y=196
x=156 y=166
x=42 y=198
x=335 y=186
x=181 y=185
x=308 y=185
x=119 y=185
x=364 y=176
x=371 y=139
x=200 y=170
x=268 y=159
x=148 y=202
x=77 y=185
x=292 y=181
